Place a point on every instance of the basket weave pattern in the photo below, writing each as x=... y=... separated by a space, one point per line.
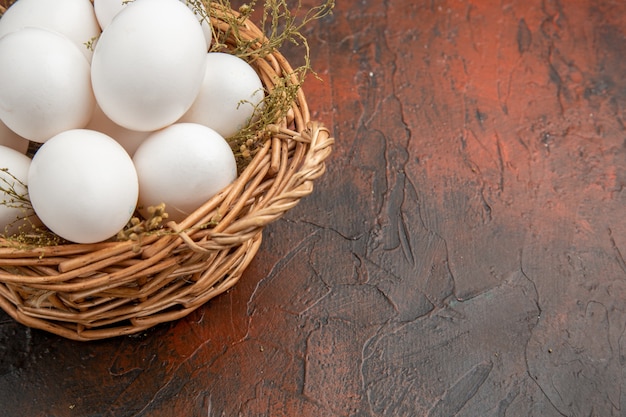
x=97 y=291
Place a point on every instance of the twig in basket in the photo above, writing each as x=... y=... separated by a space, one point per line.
x=274 y=106
x=137 y=227
x=279 y=23
x=29 y=236
x=13 y=198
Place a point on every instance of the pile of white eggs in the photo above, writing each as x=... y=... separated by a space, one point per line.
x=129 y=105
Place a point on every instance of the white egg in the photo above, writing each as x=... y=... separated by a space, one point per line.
x=199 y=10
x=83 y=185
x=230 y=92
x=13 y=181
x=73 y=18
x=12 y=140
x=45 y=86
x=106 y=10
x=148 y=64
x=183 y=166
x=129 y=139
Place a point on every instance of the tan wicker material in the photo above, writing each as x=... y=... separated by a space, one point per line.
x=97 y=291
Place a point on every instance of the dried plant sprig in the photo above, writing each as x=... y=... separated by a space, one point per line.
x=138 y=227
x=30 y=235
x=279 y=24
x=13 y=198
x=22 y=230
x=91 y=43
x=274 y=106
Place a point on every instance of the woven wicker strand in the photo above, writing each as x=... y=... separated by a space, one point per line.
x=108 y=289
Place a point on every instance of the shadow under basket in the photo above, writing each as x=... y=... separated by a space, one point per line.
x=97 y=291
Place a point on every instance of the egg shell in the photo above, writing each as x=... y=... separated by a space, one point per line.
x=203 y=18
x=73 y=18
x=83 y=185
x=106 y=10
x=183 y=166
x=230 y=92
x=45 y=86
x=148 y=64
x=13 y=214
x=129 y=139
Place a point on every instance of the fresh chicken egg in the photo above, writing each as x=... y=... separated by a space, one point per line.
x=231 y=91
x=129 y=139
x=83 y=186
x=73 y=18
x=45 y=86
x=106 y=10
x=202 y=16
x=148 y=64
x=183 y=166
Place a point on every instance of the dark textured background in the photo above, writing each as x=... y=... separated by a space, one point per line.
x=462 y=256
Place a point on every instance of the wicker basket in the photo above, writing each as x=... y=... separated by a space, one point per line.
x=96 y=291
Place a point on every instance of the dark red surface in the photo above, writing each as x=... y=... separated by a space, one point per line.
x=462 y=256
